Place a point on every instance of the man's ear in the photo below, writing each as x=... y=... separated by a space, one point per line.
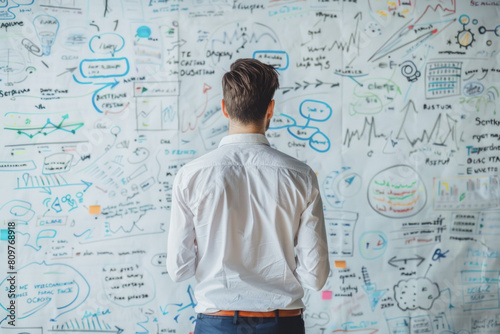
x=224 y=111
x=270 y=110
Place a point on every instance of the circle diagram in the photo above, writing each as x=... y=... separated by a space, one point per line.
x=464 y=19
x=465 y=38
x=410 y=71
x=348 y=184
x=372 y=244
x=397 y=192
x=340 y=185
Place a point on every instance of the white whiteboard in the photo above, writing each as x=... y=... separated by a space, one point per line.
x=394 y=104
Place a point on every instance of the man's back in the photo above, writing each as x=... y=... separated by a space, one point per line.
x=258 y=223
x=247 y=220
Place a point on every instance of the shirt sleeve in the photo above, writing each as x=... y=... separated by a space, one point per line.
x=311 y=246
x=181 y=248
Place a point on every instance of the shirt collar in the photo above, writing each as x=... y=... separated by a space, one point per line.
x=249 y=138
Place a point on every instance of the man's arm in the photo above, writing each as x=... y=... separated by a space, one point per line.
x=311 y=246
x=181 y=249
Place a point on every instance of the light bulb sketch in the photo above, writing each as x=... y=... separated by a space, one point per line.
x=46 y=28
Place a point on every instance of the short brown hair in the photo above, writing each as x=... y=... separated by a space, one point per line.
x=248 y=88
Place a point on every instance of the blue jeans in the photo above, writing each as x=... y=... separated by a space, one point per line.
x=213 y=324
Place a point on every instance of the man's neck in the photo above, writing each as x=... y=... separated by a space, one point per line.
x=238 y=128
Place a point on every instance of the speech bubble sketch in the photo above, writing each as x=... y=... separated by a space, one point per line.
x=416 y=293
x=313 y=110
x=473 y=88
x=60 y=285
x=128 y=284
x=278 y=59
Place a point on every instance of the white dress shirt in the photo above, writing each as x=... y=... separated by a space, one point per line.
x=247 y=221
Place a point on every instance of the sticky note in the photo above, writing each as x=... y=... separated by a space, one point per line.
x=94 y=209
x=4 y=234
x=340 y=264
x=326 y=295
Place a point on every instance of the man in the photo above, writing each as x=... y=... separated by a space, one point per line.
x=247 y=220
